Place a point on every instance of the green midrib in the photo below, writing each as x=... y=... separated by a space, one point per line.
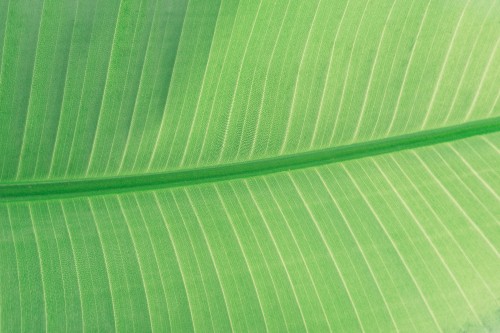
x=78 y=187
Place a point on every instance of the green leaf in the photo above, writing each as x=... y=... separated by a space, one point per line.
x=249 y=165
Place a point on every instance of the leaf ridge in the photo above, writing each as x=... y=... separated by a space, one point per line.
x=13 y=191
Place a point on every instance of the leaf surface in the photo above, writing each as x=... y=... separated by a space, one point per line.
x=249 y=165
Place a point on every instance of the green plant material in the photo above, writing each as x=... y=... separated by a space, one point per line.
x=249 y=165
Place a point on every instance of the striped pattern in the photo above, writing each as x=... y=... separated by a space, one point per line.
x=407 y=241
x=105 y=88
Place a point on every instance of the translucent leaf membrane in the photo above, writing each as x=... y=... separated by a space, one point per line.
x=404 y=241
x=397 y=238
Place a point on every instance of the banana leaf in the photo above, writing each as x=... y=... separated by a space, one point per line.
x=264 y=165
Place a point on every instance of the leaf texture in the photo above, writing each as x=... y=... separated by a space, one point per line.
x=192 y=165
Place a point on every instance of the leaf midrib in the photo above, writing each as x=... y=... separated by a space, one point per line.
x=20 y=191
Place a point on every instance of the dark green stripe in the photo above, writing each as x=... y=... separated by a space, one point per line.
x=55 y=189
